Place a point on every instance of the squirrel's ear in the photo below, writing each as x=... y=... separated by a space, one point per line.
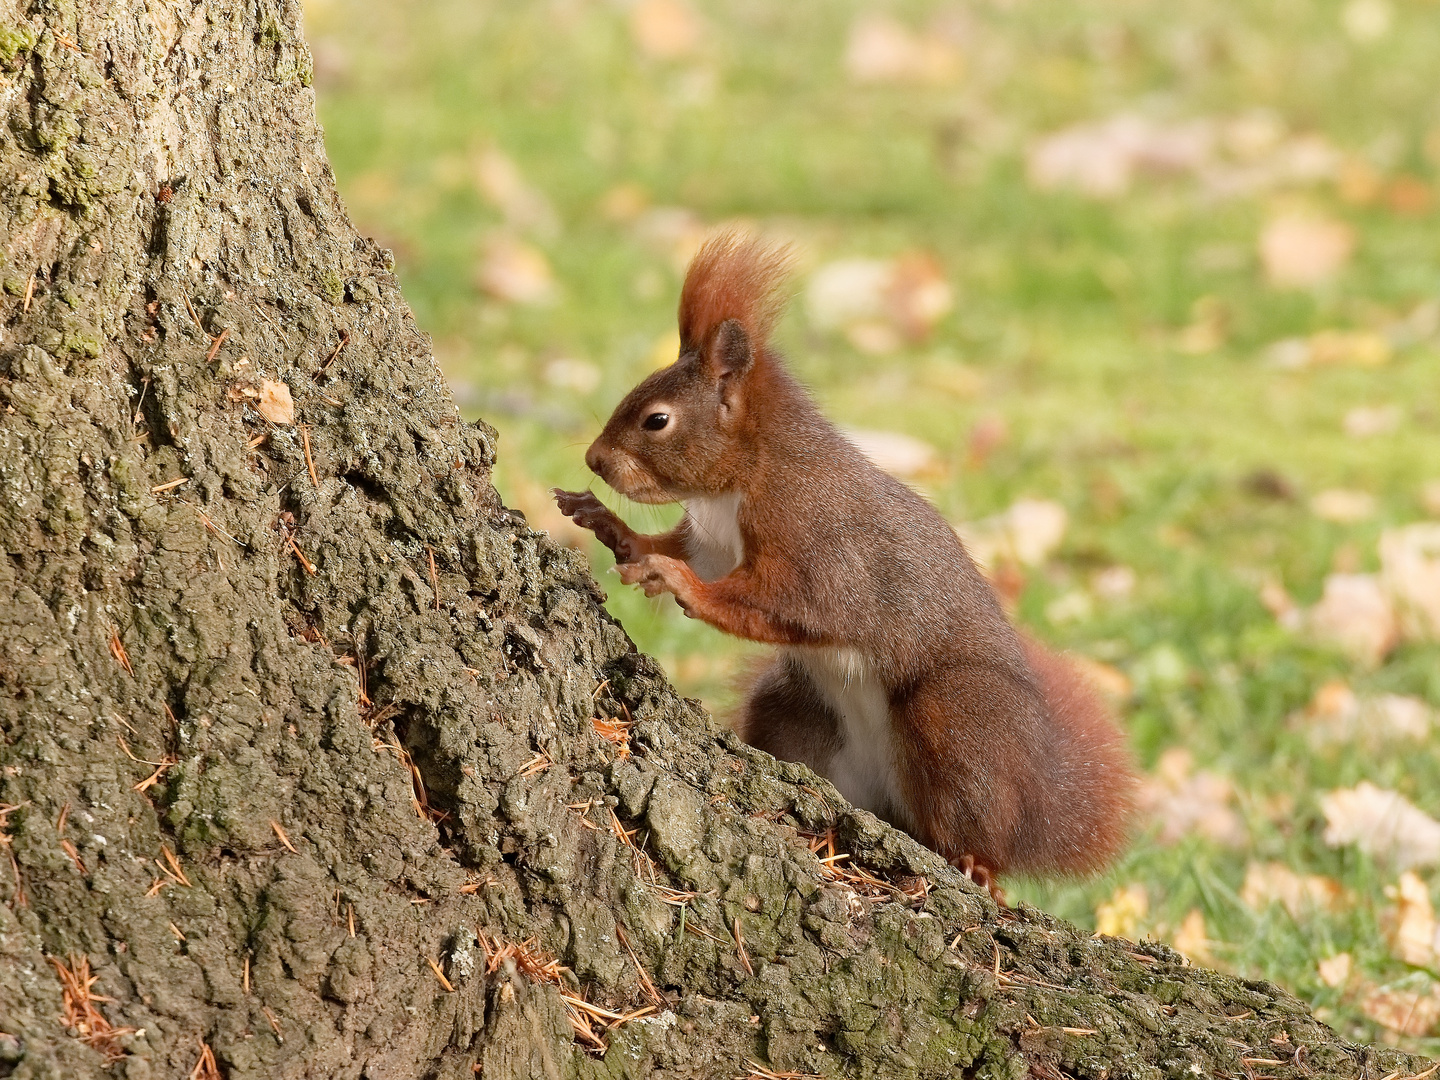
x=729 y=354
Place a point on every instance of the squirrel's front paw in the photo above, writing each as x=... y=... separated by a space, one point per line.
x=655 y=574
x=583 y=508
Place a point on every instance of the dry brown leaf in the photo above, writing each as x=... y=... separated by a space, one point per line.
x=1183 y=803
x=1367 y=421
x=1410 y=572
x=665 y=29
x=1028 y=533
x=1412 y=931
x=1343 y=507
x=898 y=454
x=1122 y=914
x=1190 y=940
x=516 y=272
x=1337 y=714
x=1335 y=970
x=1356 y=616
x=882 y=49
x=275 y=403
x=501 y=183
x=880 y=303
x=1299 y=251
x=1383 y=824
x=1299 y=894
x=1415 y=1013
x=1102 y=159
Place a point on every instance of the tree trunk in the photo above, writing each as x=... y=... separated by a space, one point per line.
x=299 y=745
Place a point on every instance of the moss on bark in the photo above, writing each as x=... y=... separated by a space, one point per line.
x=258 y=673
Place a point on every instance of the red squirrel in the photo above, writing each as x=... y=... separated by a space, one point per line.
x=897 y=675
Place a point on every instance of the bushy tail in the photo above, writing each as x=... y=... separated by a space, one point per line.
x=1091 y=791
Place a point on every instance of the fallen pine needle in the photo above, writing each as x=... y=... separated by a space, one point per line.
x=740 y=948
x=160 y=489
x=649 y=987
x=449 y=987
x=29 y=291
x=74 y=856
x=176 y=931
x=205 y=1068
x=301 y=556
x=1079 y=1031
x=274 y=1024
x=215 y=345
x=434 y=577
x=117 y=650
x=283 y=838
x=173 y=871
x=538 y=764
x=245 y=977
x=759 y=1072
x=309 y=461
x=81 y=1016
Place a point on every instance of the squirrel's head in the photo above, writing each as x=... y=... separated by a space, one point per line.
x=684 y=431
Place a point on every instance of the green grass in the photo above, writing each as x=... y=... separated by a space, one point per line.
x=1066 y=325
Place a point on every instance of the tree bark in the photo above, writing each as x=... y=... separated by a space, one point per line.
x=299 y=746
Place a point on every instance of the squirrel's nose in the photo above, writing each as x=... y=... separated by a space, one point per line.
x=595 y=458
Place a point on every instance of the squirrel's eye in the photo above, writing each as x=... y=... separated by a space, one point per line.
x=656 y=421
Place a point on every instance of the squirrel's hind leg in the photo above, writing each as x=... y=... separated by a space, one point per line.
x=784 y=715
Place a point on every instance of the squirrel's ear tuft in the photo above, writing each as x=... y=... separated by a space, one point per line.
x=733 y=277
x=729 y=352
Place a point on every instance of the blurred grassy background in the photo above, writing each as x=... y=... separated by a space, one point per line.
x=1173 y=267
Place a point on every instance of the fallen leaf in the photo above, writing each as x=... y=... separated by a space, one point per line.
x=1073 y=606
x=567 y=373
x=1367 y=20
x=1381 y=823
x=664 y=29
x=501 y=183
x=1410 y=573
x=1121 y=915
x=1102 y=158
x=847 y=291
x=1367 y=421
x=1028 y=533
x=1430 y=497
x=1299 y=894
x=1411 y=929
x=1338 y=715
x=1183 y=803
x=1355 y=348
x=1335 y=970
x=1415 y=1013
x=624 y=202
x=1343 y=507
x=880 y=303
x=516 y=272
x=1190 y=940
x=673 y=231
x=1299 y=251
x=898 y=454
x=275 y=403
x=1114 y=583
x=1356 y=616
x=882 y=49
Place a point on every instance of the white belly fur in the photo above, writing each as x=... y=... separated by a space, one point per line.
x=713 y=541
x=863 y=768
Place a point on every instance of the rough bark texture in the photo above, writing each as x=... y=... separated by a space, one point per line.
x=164 y=183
